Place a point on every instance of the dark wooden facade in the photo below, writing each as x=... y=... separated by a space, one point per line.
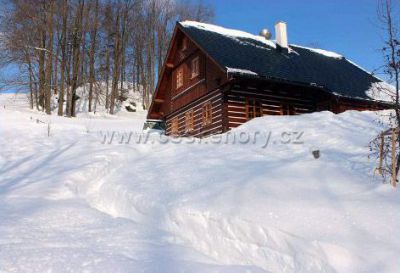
x=209 y=102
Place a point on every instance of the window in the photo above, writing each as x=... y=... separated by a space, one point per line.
x=179 y=77
x=207 y=113
x=195 y=67
x=175 y=127
x=253 y=108
x=189 y=121
x=287 y=109
x=184 y=44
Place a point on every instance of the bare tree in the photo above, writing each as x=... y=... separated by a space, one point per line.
x=58 y=43
x=388 y=15
x=63 y=41
x=93 y=37
x=49 y=51
x=117 y=58
x=76 y=51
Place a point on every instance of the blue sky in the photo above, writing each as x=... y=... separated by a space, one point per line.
x=348 y=27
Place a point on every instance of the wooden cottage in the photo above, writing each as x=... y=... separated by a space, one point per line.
x=215 y=79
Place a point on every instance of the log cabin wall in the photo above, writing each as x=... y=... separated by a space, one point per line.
x=173 y=94
x=251 y=99
x=194 y=85
x=213 y=103
x=195 y=94
x=236 y=103
x=248 y=99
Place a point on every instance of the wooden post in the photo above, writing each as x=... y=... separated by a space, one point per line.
x=381 y=153
x=394 y=159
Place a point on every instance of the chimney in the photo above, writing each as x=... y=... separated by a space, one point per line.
x=281 y=34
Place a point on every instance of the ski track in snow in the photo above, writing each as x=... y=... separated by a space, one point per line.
x=71 y=204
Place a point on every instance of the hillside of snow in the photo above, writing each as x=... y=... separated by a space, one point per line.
x=253 y=200
x=128 y=104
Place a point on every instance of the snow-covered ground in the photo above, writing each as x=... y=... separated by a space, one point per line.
x=69 y=203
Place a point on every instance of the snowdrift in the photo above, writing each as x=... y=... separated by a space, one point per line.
x=244 y=206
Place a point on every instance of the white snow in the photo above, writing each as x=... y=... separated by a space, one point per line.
x=324 y=52
x=241 y=71
x=232 y=33
x=382 y=91
x=71 y=204
x=82 y=104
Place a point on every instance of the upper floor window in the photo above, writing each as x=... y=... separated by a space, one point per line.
x=184 y=43
x=207 y=113
x=253 y=108
x=189 y=121
x=195 y=68
x=179 y=77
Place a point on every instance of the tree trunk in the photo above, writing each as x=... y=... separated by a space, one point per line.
x=55 y=76
x=49 y=65
x=92 y=54
x=63 y=59
x=30 y=71
x=42 y=75
x=107 y=77
x=69 y=81
x=116 y=69
x=76 y=45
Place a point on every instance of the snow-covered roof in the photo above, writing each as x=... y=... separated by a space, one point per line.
x=245 y=54
x=382 y=91
x=231 y=33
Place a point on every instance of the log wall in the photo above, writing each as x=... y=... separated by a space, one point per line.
x=199 y=130
x=272 y=101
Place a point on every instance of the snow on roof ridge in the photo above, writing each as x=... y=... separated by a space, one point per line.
x=241 y=71
x=234 y=33
x=324 y=52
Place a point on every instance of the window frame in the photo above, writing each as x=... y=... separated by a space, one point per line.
x=254 y=108
x=207 y=114
x=189 y=121
x=175 y=126
x=195 y=63
x=179 y=77
x=184 y=45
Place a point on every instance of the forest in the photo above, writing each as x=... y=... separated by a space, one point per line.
x=59 y=45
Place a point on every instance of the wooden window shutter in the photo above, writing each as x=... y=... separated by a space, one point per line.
x=179 y=77
x=184 y=44
x=207 y=113
x=195 y=67
x=175 y=126
x=189 y=121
